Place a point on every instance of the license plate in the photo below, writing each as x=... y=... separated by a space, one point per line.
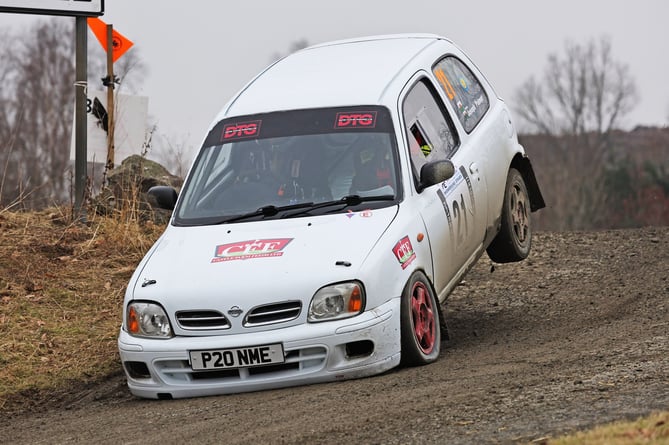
x=237 y=357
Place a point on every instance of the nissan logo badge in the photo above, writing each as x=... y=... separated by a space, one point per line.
x=235 y=311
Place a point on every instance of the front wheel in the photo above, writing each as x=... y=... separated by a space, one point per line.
x=420 y=329
x=514 y=239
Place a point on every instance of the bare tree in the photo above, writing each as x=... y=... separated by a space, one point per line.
x=583 y=97
x=176 y=154
x=36 y=111
x=37 y=98
x=8 y=114
x=584 y=91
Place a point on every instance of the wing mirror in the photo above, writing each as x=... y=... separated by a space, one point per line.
x=165 y=196
x=435 y=172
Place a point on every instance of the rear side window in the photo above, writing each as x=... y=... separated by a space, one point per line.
x=430 y=131
x=463 y=90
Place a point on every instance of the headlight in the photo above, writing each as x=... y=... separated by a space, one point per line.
x=148 y=320
x=337 y=301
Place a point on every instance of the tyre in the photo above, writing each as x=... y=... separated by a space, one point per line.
x=514 y=239
x=419 y=318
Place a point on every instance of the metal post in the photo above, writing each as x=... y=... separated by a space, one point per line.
x=80 y=132
x=110 y=100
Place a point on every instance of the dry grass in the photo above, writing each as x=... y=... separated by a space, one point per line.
x=61 y=292
x=648 y=430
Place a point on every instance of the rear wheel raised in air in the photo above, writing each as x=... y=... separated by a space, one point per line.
x=514 y=239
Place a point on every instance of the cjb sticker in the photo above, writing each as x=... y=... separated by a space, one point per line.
x=404 y=252
x=243 y=250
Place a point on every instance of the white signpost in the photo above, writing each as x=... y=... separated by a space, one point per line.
x=85 y=8
x=130 y=116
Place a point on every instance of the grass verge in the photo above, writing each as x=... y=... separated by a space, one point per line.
x=61 y=292
x=653 y=429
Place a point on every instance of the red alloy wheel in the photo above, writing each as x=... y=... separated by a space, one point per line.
x=423 y=318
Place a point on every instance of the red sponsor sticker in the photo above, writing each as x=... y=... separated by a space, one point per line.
x=244 y=250
x=241 y=130
x=356 y=119
x=364 y=214
x=404 y=253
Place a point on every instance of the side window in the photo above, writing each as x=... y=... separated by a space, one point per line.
x=430 y=131
x=463 y=90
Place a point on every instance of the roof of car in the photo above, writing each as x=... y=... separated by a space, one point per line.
x=344 y=72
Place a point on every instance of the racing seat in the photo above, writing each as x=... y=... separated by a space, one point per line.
x=372 y=168
x=307 y=175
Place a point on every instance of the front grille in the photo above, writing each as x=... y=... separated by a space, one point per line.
x=202 y=320
x=273 y=313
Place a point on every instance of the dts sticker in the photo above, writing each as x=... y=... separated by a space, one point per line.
x=244 y=250
x=357 y=119
x=241 y=130
x=404 y=252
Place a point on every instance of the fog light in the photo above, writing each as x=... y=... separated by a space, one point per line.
x=137 y=370
x=361 y=348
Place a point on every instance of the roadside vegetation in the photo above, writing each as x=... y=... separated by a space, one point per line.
x=61 y=292
x=653 y=429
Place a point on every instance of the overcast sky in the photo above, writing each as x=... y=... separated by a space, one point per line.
x=199 y=53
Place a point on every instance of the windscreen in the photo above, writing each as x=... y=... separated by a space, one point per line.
x=285 y=159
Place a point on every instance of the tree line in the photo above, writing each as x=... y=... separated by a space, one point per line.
x=629 y=189
x=36 y=75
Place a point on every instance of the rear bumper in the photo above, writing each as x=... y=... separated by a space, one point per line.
x=357 y=347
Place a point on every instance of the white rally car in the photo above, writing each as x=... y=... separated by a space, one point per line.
x=336 y=201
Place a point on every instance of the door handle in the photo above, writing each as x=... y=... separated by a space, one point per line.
x=474 y=170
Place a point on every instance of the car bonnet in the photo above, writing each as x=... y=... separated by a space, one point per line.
x=259 y=262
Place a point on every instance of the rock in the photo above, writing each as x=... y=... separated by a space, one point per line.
x=126 y=187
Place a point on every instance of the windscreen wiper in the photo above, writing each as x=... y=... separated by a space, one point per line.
x=346 y=201
x=305 y=207
x=265 y=211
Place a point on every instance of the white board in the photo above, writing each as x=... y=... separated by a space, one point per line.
x=131 y=127
x=89 y=8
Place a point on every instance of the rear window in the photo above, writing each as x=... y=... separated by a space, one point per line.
x=464 y=91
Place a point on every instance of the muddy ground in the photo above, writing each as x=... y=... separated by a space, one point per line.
x=575 y=336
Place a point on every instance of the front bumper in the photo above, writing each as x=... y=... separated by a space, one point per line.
x=318 y=352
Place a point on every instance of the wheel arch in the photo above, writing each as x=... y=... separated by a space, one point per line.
x=522 y=163
x=424 y=271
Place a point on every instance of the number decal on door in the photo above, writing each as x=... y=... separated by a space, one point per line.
x=458 y=214
x=460 y=217
x=444 y=203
